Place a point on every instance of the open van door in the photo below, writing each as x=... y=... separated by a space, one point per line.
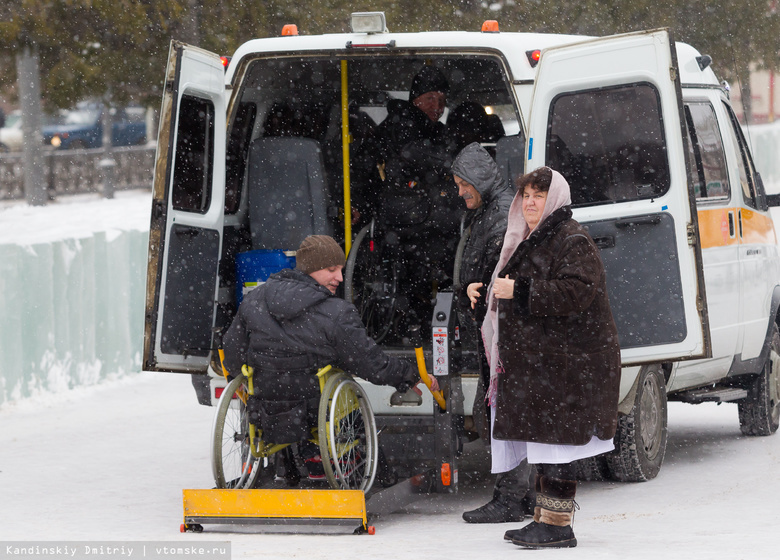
x=608 y=114
x=187 y=213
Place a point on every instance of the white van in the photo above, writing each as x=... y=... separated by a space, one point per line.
x=638 y=124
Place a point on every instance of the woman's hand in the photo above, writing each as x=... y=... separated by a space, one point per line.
x=504 y=288
x=473 y=292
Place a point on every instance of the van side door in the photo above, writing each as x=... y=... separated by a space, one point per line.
x=187 y=213
x=607 y=113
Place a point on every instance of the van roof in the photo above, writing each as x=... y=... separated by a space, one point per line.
x=511 y=45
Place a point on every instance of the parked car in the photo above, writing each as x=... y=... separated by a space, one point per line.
x=640 y=126
x=11 y=134
x=82 y=128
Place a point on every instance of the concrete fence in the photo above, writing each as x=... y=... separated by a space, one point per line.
x=78 y=171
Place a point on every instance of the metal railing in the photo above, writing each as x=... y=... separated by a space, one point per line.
x=79 y=171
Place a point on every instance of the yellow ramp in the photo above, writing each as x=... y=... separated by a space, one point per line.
x=270 y=506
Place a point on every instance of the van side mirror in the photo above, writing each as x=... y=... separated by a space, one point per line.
x=773 y=200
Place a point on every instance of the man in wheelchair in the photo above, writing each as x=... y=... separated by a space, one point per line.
x=288 y=328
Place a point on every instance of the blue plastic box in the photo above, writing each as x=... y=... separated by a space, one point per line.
x=254 y=267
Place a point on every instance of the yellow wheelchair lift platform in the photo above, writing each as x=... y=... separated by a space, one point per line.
x=276 y=506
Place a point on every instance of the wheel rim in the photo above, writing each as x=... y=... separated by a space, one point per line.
x=774 y=385
x=233 y=462
x=350 y=430
x=651 y=423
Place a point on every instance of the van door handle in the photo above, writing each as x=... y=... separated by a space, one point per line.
x=186 y=231
x=605 y=242
x=653 y=220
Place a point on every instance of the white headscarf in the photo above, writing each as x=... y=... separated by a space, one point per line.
x=517 y=231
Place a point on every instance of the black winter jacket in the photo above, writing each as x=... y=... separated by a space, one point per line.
x=487 y=223
x=291 y=325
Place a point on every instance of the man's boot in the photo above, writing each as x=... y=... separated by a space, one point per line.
x=533 y=500
x=553 y=530
x=509 y=503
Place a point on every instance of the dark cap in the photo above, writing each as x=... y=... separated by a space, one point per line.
x=317 y=252
x=428 y=79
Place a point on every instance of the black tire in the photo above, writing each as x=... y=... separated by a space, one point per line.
x=592 y=468
x=759 y=412
x=371 y=284
x=232 y=463
x=347 y=435
x=640 y=441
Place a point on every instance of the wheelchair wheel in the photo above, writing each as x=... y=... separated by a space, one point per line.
x=232 y=463
x=347 y=435
x=371 y=283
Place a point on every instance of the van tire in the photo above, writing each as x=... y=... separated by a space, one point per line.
x=640 y=440
x=592 y=468
x=759 y=412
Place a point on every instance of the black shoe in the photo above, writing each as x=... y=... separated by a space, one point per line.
x=542 y=535
x=494 y=512
x=512 y=534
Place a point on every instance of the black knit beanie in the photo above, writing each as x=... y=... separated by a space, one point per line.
x=428 y=79
x=317 y=252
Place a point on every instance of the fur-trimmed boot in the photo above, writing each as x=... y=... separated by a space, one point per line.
x=556 y=511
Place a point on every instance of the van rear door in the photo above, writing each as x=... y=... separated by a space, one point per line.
x=187 y=213
x=607 y=114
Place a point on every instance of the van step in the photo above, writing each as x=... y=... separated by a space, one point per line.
x=715 y=394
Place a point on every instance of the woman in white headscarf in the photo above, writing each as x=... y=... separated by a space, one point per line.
x=553 y=351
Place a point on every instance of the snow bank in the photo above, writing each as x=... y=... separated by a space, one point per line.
x=72 y=283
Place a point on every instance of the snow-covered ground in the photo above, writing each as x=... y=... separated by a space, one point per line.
x=108 y=463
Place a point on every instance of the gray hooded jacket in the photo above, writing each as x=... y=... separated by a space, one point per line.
x=487 y=223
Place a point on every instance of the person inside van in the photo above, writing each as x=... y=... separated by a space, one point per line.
x=292 y=325
x=469 y=122
x=416 y=199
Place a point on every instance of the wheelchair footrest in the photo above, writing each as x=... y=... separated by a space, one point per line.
x=290 y=506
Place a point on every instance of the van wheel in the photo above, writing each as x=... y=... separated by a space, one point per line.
x=759 y=412
x=592 y=468
x=640 y=440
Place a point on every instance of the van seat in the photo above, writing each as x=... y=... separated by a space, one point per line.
x=287 y=192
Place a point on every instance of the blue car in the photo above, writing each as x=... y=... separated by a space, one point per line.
x=82 y=128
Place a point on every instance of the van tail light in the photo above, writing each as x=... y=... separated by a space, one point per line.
x=218 y=392
x=533 y=57
x=225 y=61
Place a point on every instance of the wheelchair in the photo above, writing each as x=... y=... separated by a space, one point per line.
x=345 y=433
x=374 y=274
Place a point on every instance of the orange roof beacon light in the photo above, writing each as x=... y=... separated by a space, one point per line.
x=289 y=30
x=490 y=26
x=533 y=57
x=368 y=22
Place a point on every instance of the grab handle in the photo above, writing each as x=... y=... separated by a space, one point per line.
x=418 y=352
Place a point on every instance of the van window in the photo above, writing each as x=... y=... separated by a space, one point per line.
x=194 y=165
x=609 y=143
x=743 y=160
x=300 y=97
x=707 y=162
